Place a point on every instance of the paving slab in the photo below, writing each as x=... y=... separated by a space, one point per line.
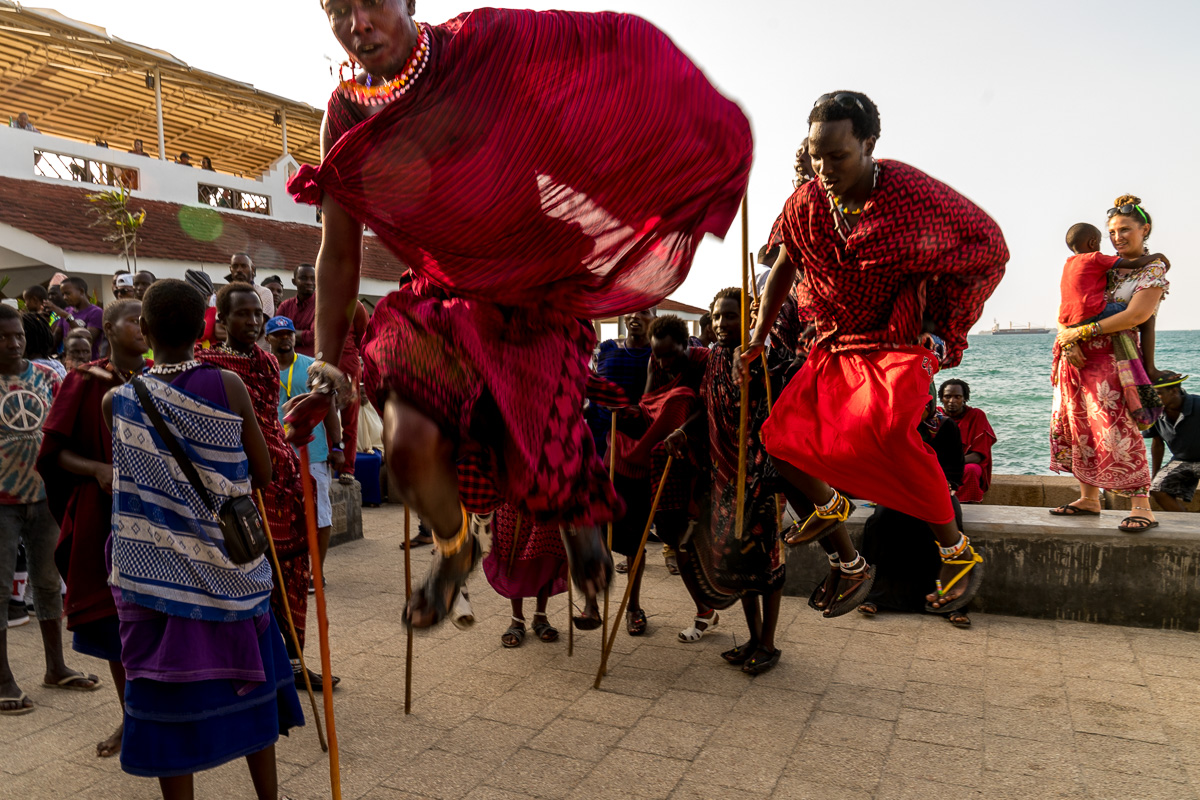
x=898 y=706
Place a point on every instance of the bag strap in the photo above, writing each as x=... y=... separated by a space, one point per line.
x=181 y=458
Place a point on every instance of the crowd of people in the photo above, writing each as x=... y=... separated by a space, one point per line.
x=129 y=430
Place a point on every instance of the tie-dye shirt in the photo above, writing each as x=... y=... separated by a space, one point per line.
x=24 y=404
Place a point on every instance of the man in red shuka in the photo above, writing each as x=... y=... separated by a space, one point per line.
x=507 y=157
x=890 y=256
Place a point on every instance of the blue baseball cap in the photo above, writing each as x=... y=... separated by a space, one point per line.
x=276 y=324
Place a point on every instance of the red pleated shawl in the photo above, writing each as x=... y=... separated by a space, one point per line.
x=545 y=157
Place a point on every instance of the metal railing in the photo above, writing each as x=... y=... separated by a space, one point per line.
x=48 y=164
x=221 y=197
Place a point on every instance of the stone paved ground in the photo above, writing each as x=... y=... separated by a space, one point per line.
x=895 y=707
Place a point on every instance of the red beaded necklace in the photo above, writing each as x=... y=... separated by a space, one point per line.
x=384 y=93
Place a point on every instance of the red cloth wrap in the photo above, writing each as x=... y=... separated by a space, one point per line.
x=977 y=437
x=82 y=509
x=556 y=159
x=920 y=252
x=851 y=419
x=540 y=558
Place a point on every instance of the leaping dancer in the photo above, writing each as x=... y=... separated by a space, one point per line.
x=891 y=258
x=535 y=170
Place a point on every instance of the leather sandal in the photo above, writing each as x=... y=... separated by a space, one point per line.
x=818 y=522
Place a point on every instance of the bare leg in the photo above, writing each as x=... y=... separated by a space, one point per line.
x=635 y=592
x=178 y=787
x=52 y=646
x=422 y=461
x=770 y=619
x=753 y=620
x=1167 y=502
x=323 y=535
x=1089 y=497
x=262 y=772
x=9 y=690
x=112 y=745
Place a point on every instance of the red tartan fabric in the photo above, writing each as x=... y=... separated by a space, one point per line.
x=920 y=250
x=508 y=385
x=850 y=419
x=558 y=159
x=260 y=373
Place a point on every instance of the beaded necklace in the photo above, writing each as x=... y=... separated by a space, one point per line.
x=381 y=94
x=840 y=211
x=173 y=369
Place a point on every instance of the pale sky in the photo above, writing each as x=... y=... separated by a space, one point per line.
x=1041 y=111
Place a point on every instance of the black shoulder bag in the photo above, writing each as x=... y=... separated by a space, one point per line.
x=241 y=526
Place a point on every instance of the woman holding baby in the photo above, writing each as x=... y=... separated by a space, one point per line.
x=1103 y=397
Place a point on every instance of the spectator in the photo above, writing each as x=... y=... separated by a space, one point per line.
x=325 y=450
x=206 y=667
x=123 y=288
x=81 y=313
x=23 y=123
x=184 y=160
x=203 y=284
x=138 y=150
x=241 y=268
x=977 y=439
x=206 y=163
x=142 y=281
x=77 y=350
x=35 y=298
x=39 y=343
x=24 y=515
x=707 y=336
x=275 y=284
x=1179 y=428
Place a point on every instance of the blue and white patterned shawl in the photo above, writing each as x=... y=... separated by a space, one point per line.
x=168 y=552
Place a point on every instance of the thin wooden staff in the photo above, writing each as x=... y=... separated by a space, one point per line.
x=408 y=647
x=570 y=611
x=744 y=405
x=612 y=475
x=291 y=625
x=767 y=383
x=516 y=540
x=633 y=568
x=310 y=513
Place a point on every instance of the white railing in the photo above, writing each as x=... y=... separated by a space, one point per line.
x=41 y=157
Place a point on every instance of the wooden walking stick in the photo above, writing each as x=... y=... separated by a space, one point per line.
x=633 y=568
x=512 y=554
x=612 y=474
x=310 y=513
x=570 y=611
x=287 y=612
x=767 y=383
x=743 y=405
x=408 y=646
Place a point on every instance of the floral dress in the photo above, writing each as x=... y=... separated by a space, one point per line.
x=1093 y=433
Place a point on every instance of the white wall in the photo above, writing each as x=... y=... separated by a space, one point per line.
x=158 y=180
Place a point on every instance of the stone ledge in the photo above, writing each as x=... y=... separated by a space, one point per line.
x=1065 y=568
x=1048 y=491
x=347 y=512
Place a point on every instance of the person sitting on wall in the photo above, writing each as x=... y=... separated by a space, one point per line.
x=1179 y=428
x=977 y=439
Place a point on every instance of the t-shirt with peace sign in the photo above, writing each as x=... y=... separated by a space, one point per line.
x=24 y=404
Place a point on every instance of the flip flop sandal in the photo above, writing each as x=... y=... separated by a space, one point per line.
x=868 y=609
x=544 y=630
x=515 y=635
x=823 y=589
x=818 y=523
x=852 y=589
x=1073 y=511
x=1133 y=524
x=757 y=666
x=695 y=633
x=74 y=683
x=635 y=622
x=17 y=710
x=740 y=654
x=958 y=619
x=971 y=564
x=583 y=622
x=623 y=567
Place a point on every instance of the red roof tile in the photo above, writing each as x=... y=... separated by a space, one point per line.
x=59 y=215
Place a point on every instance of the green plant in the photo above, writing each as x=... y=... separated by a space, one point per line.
x=124 y=225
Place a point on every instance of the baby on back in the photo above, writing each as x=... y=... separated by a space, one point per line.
x=1085 y=277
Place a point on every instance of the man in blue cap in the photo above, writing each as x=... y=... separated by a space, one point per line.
x=325 y=450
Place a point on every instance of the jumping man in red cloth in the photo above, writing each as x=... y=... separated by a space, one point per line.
x=535 y=170
x=890 y=256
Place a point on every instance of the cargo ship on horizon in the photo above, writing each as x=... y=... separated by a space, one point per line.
x=996 y=330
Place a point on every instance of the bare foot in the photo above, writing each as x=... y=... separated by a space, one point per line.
x=112 y=745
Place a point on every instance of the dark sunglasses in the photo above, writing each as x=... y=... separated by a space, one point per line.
x=843 y=99
x=1127 y=211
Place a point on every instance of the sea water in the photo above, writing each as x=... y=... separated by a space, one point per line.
x=1009 y=377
